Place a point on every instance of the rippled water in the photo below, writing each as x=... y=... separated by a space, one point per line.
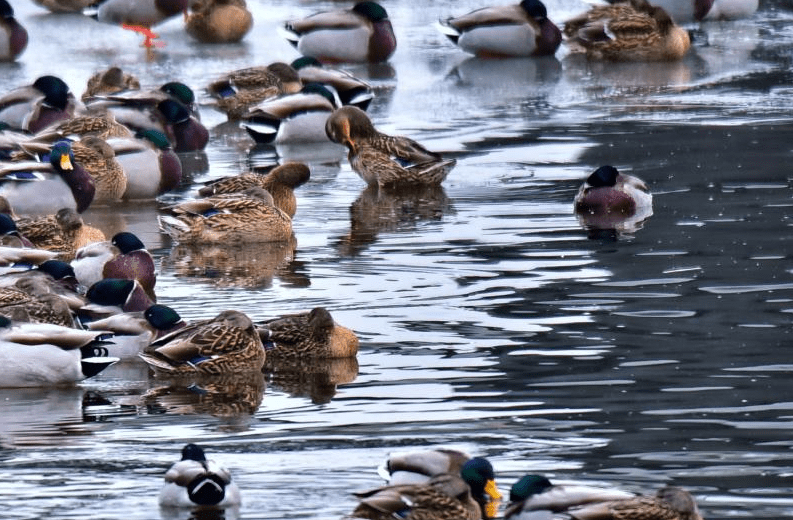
x=489 y=319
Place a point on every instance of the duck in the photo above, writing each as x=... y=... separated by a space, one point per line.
x=292 y=118
x=49 y=277
x=64 y=6
x=43 y=355
x=371 y=153
x=124 y=256
x=351 y=90
x=669 y=503
x=686 y=11
x=361 y=34
x=245 y=217
x=519 y=30
x=145 y=99
x=227 y=343
x=534 y=493
x=633 y=30
x=195 y=481
x=26 y=303
x=150 y=164
x=10 y=234
x=237 y=91
x=608 y=199
x=15 y=37
x=57 y=182
x=312 y=334
x=142 y=13
x=134 y=331
x=10 y=255
x=218 y=21
x=33 y=107
x=280 y=182
x=110 y=81
x=64 y=232
x=113 y=296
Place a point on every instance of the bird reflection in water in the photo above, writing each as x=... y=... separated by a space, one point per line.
x=228 y=395
x=317 y=379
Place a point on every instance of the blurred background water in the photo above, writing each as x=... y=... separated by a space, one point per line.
x=489 y=319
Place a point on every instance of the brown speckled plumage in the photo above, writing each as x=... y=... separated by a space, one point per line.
x=239 y=90
x=669 y=503
x=307 y=335
x=64 y=232
x=110 y=81
x=218 y=21
x=20 y=305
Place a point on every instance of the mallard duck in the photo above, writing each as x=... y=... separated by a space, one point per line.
x=218 y=21
x=110 y=81
x=292 y=118
x=10 y=235
x=64 y=6
x=46 y=187
x=102 y=125
x=280 y=182
x=15 y=37
x=134 y=331
x=361 y=34
x=371 y=152
x=41 y=307
x=669 y=503
x=143 y=13
x=237 y=91
x=113 y=296
x=306 y=335
x=505 y=31
x=50 y=277
x=26 y=255
x=628 y=31
x=244 y=217
x=34 y=107
x=609 y=200
x=351 y=90
x=37 y=354
x=534 y=493
x=227 y=343
x=149 y=162
x=196 y=481
x=64 y=232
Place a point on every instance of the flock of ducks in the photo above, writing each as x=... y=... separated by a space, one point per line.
x=73 y=302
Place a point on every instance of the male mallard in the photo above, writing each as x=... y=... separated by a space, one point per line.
x=669 y=503
x=195 y=481
x=10 y=235
x=14 y=37
x=244 y=217
x=113 y=296
x=110 y=81
x=227 y=343
x=237 y=91
x=37 y=354
x=280 y=182
x=534 y=493
x=64 y=232
x=134 y=331
x=306 y=335
x=609 y=199
x=361 y=34
x=371 y=152
x=149 y=162
x=292 y=118
x=351 y=90
x=36 y=106
x=505 y=30
x=218 y=21
x=631 y=30
x=46 y=187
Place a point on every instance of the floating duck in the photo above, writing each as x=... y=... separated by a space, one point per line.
x=195 y=481
x=306 y=335
x=64 y=232
x=612 y=200
x=134 y=331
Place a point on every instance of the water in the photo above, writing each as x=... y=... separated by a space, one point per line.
x=489 y=319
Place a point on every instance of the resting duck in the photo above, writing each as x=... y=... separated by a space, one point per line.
x=14 y=37
x=113 y=296
x=669 y=503
x=143 y=13
x=32 y=108
x=351 y=90
x=505 y=31
x=110 y=81
x=10 y=235
x=218 y=21
x=227 y=343
x=610 y=200
x=64 y=232
x=280 y=182
x=628 y=31
x=237 y=91
x=361 y=34
x=134 y=331
x=31 y=302
x=195 y=481
x=311 y=334
x=37 y=354
x=149 y=162
x=245 y=217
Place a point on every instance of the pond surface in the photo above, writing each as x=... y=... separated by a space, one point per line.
x=489 y=319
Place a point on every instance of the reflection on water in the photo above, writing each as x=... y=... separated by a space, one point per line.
x=317 y=379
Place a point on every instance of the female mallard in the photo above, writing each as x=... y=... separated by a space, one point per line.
x=149 y=162
x=306 y=335
x=684 y=11
x=237 y=91
x=227 y=343
x=218 y=21
x=628 y=31
x=534 y=493
x=36 y=106
x=361 y=34
x=669 y=503
x=505 y=31
x=351 y=90
x=245 y=217
x=609 y=199
x=37 y=354
x=134 y=331
x=195 y=481
x=280 y=182
x=64 y=232
x=371 y=152
x=110 y=81
x=21 y=304
x=14 y=37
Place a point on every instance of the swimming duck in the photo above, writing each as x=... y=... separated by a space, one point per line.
x=46 y=187
x=351 y=90
x=34 y=107
x=196 y=481
x=110 y=81
x=306 y=335
x=628 y=31
x=280 y=182
x=134 y=331
x=292 y=118
x=15 y=37
x=534 y=493
x=244 y=217
x=37 y=354
x=669 y=503
x=505 y=31
x=218 y=21
x=609 y=199
x=149 y=162
x=361 y=34
x=64 y=232
x=227 y=343
x=237 y=91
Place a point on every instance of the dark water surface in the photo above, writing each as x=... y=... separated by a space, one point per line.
x=489 y=319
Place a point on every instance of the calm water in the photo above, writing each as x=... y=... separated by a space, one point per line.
x=489 y=319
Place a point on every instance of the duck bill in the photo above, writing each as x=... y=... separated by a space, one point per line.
x=492 y=491
x=66 y=163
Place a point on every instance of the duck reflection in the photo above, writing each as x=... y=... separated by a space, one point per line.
x=512 y=74
x=615 y=75
x=200 y=513
x=313 y=378
x=397 y=210
x=227 y=395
